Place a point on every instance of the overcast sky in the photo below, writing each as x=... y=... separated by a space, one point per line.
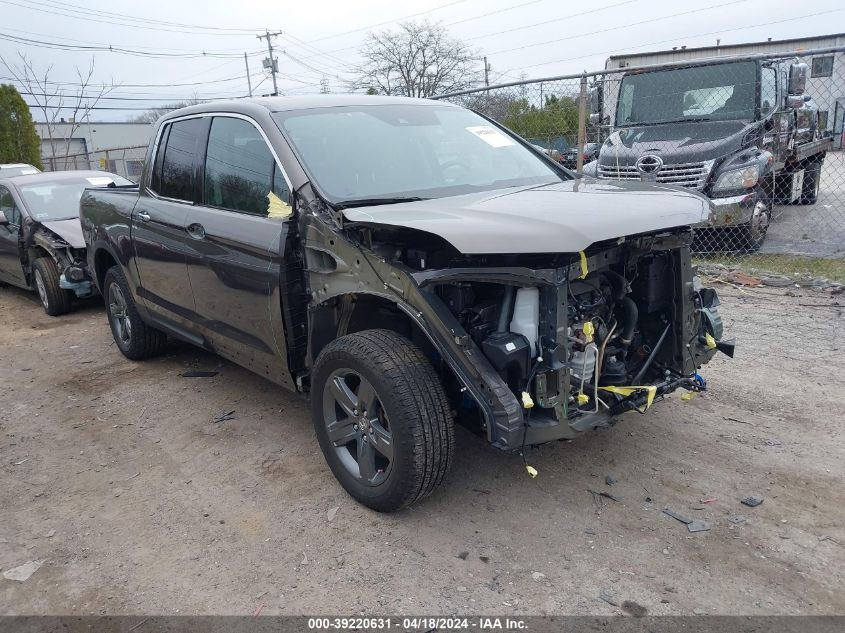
x=539 y=38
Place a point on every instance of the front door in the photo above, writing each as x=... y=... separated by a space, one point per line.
x=236 y=236
x=11 y=270
x=160 y=220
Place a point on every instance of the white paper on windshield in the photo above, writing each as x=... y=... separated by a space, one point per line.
x=490 y=135
x=27 y=172
x=100 y=181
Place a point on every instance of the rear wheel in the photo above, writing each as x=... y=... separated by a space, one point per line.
x=382 y=419
x=55 y=300
x=135 y=339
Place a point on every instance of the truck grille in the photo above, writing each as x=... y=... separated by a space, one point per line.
x=692 y=175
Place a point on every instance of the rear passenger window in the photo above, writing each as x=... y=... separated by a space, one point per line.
x=175 y=163
x=241 y=173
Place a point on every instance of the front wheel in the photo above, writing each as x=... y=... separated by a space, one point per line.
x=134 y=338
x=54 y=298
x=382 y=419
x=749 y=237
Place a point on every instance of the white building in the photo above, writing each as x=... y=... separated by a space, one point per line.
x=111 y=146
x=826 y=83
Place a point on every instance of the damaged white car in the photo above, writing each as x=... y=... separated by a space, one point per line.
x=41 y=245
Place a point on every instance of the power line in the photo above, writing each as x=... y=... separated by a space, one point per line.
x=496 y=12
x=170 y=85
x=406 y=17
x=319 y=53
x=87 y=10
x=304 y=65
x=615 y=28
x=552 y=21
x=687 y=37
x=137 y=46
x=112 y=49
x=86 y=17
x=469 y=19
x=111 y=97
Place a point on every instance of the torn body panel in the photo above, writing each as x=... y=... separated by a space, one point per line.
x=652 y=328
x=39 y=241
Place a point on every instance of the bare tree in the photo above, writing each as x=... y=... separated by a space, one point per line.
x=154 y=114
x=420 y=59
x=53 y=101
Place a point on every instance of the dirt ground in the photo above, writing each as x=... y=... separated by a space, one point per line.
x=116 y=476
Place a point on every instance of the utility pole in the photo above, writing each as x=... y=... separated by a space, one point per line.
x=486 y=72
x=271 y=62
x=248 y=80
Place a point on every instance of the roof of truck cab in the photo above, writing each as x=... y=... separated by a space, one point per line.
x=299 y=102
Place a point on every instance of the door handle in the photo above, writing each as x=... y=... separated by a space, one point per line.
x=144 y=217
x=196 y=231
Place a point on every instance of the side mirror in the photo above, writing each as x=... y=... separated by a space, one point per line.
x=595 y=101
x=798 y=78
x=3 y=220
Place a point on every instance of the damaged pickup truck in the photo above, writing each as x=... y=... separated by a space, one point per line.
x=41 y=245
x=409 y=264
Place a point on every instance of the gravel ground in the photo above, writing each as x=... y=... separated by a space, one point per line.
x=115 y=475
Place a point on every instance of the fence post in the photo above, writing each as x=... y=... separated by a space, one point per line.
x=582 y=124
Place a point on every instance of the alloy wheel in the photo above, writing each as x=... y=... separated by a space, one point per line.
x=358 y=427
x=119 y=314
x=41 y=288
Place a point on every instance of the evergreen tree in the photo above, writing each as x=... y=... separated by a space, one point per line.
x=19 y=143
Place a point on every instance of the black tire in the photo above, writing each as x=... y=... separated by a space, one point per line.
x=54 y=299
x=408 y=403
x=749 y=237
x=810 y=187
x=134 y=338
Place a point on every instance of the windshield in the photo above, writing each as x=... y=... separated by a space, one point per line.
x=18 y=170
x=59 y=200
x=383 y=153
x=718 y=92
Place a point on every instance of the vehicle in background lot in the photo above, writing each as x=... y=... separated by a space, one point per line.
x=741 y=132
x=569 y=159
x=41 y=245
x=17 y=169
x=447 y=271
x=550 y=152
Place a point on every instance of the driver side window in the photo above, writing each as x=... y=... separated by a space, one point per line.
x=9 y=209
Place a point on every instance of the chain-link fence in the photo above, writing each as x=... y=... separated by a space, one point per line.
x=760 y=135
x=123 y=161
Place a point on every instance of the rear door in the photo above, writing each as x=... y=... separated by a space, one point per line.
x=11 y=270
x=160 y=220
x=236 y=235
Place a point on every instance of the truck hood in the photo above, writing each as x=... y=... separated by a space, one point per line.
x=69 y=230
x=675 y=143
x=563 y=217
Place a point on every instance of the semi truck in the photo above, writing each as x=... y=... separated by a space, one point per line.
x=742 y=132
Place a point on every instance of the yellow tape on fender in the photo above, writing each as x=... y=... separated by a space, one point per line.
x=584 y=269
x=629 y=391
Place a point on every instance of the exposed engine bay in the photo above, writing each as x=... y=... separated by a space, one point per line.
x=576 y=339
x=70 y=261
